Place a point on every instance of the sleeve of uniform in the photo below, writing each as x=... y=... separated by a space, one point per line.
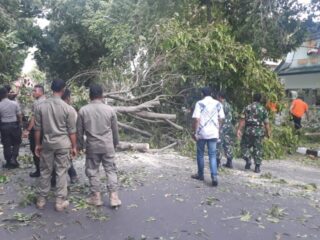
x=114 y=127
x=37 y=119
x=80 y=130
x=71 y=121
x=196 y=111
x=220 y=111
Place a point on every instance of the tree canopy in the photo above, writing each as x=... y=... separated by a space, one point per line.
x=156 y=54
x=16 y=34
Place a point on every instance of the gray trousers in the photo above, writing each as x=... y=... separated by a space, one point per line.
x=57 y=159
x=93 y=161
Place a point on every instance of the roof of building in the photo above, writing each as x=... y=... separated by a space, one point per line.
x=305 y=59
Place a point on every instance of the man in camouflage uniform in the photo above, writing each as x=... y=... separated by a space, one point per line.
x=254 y=120
x=226 y=133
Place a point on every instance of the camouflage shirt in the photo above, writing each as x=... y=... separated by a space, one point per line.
x=255 y=116
x=227 y=126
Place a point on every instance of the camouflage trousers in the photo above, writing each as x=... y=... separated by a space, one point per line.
x=225 y=144
x=57 y=159
x=93 y=161
x=251 y=148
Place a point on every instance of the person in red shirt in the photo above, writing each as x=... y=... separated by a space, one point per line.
x=297 y=109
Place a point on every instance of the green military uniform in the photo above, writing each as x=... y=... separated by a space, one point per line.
x=98 y=122
x=56 y=121
x=255 y=116
x=226 y=135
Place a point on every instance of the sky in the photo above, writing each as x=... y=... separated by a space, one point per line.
x=29 y=62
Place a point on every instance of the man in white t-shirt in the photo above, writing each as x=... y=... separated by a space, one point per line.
x=207 y=115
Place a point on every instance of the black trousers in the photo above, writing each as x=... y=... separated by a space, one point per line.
x=297 y=122
x=11 y=140
x=32 y=142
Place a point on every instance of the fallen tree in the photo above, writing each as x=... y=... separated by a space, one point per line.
x=141 y=147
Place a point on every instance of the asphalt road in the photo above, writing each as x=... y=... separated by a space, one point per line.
x=161 y=201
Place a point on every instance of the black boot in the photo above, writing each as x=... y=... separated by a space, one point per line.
x=198 y=177
x=37 y=164
x=214 y=181
x=229 y=163
x=35 y=174
x=257 y=168
x=248 y=165
x=14 y=163
x=7 y=165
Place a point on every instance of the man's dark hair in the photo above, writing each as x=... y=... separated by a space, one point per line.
x=40 y=87
x=95 y=91
x=221 y=94
x=66 y=94
x=3 y=93
x=58 y=85
x=206 y=91
x=257 y=97
x=8 y=87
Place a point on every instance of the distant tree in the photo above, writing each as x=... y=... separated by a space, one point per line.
x=271 y=27
x=16 y=35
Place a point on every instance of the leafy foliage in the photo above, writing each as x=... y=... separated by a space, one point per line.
x=209 y=55
x=16 y=34
x=284 y=140
x=271 y=27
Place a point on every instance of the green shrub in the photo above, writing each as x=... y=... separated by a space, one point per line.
x=284 y=140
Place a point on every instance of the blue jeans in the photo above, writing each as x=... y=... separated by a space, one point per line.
x=212 y=145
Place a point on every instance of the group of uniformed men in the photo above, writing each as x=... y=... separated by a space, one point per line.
x=56 y=134
x=213 y=126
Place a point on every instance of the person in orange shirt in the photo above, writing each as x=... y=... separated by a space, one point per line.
x=297 y=109
x=272 y=107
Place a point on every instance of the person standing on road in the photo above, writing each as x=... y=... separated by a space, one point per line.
x=226 y=133
x=71 y=171
x=56 y=122
x=98 y=122
x=254 y=120
x=297 y=109
x=207 y=115
x=66 y=97
x=10 y=128
x=38 y=95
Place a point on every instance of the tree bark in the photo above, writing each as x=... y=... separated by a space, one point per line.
x=127 y=127
x=138 y=108
x=154 y=115
x=141 y=147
